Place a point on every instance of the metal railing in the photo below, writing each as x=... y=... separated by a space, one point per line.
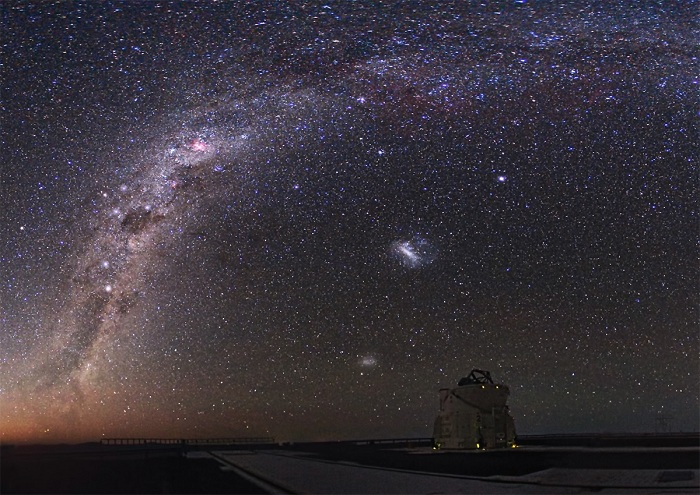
x=391 y=441
x=187 y=441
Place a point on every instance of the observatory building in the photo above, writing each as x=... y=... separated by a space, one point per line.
x=474 y=415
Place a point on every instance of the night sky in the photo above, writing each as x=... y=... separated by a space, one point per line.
x=302 y=219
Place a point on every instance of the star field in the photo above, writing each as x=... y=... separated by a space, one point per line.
x=301 y=221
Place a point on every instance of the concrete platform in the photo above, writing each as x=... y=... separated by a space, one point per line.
x=377 y=466
x=304 y=472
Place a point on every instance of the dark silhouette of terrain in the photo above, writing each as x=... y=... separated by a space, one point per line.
x=59 y=471
x=164 y=468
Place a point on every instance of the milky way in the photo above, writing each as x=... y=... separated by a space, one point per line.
x=230 y=219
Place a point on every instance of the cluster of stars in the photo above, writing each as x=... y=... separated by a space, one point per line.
x=413 y=253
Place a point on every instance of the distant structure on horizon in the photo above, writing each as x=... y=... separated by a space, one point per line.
x=474 y=415
x=662 y=424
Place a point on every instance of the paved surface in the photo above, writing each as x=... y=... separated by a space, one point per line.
x=300 y=473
